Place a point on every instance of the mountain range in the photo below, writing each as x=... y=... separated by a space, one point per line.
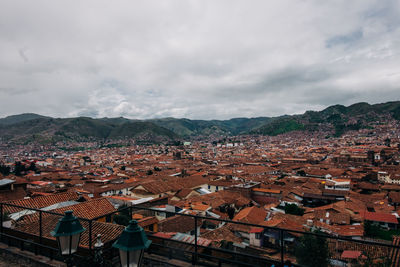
x=336 y=119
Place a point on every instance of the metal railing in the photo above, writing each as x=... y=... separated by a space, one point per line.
x=277 y=246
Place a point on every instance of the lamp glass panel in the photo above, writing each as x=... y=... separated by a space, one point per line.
x=75 y=242
x=134 y=258
x=64 y=244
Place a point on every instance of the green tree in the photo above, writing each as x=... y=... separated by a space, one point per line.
x=372 y=230
x=293 y=209
x=32 y=167
x=157 y=169
x=19 y=168
x=312 y=251
x=123 y=217
x=5 y=170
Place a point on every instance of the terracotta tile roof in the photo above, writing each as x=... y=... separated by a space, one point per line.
x=267 y=190
x=172 y=184
x=147 y=221
x=218 y=199
x=351 y=254
x=380 y=217
x=177 y=223
x=41 y=202
x=394 y=252
x=108 y=231
x=286 y=221
x=8 y=195
x=349 y=230
x=222 y=183
x=333 y=217
x=183 y=193
x=336 y=247
x=251 y=215
x=89 y=209
x=164 y=235
x=222 y=233
x=256 y=229
x=394 y=197
x=200 y=207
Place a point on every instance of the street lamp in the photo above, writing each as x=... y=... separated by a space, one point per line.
x=98 y=253
x=131 y=245
x=68 y=232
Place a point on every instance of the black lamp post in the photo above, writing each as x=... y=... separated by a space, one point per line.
x=98 y=253
x=131 y=244
x=68 y=232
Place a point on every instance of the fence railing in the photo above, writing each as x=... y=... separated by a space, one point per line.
x=270 y=245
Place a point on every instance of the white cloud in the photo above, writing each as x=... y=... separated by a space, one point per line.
x=197 y=59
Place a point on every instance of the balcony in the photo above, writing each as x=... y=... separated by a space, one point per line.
x=262 y=246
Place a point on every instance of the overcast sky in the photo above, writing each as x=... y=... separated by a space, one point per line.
x=205 y=59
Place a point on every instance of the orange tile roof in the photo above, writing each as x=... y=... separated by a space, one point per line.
x=251 y=215
x=351 y=254
x=201 y=207
x=267 y=190
x=380 y=217
x=109 y=232
x=89 y=209
x=41 y=201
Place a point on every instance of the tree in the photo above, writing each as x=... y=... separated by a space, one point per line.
x=32 y=167
x=19 y=168
x=371 y=230
x=312 y=251
x=231 y=212
x=5 y=170
x=157 y=169
x=293 y=209
x=302 y=173
x=123 y=217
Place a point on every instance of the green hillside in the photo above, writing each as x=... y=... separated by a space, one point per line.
x=49 y=130
x=336 y=120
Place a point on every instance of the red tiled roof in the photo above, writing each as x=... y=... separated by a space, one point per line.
x=380 y=217
x=17 y=193
x=164 y=235
x=251 y=215
x=256 y=229
x=108 y=231
x=267 y=190
x=89 y=209
x=40 y=202
x=180 y=224
x=147 y=221
x=351 y=254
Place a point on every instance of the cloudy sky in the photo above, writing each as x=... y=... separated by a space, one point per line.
x=205 y=59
